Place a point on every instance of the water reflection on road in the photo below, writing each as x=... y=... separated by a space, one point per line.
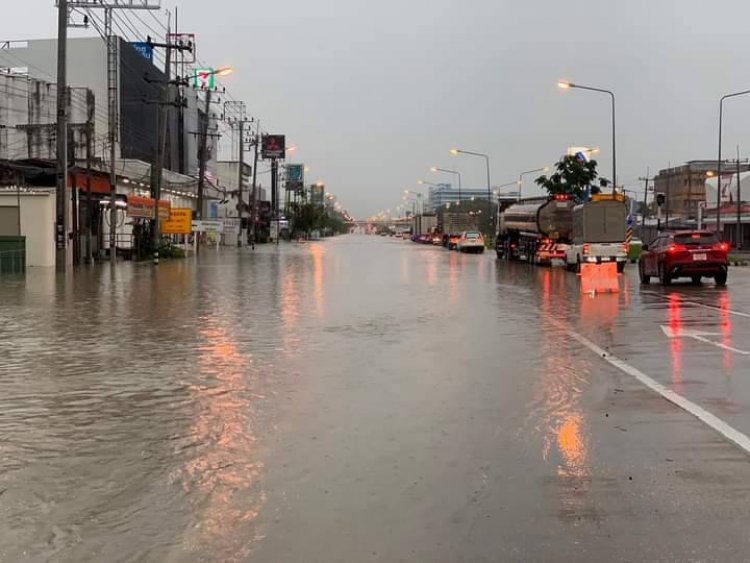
x=359 y=398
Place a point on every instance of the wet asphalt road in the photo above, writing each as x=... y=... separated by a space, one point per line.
x=368 y=399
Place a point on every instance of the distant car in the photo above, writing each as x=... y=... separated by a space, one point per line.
x=453 y=242
x=685 y=254
x=437 y=240
x=470 y=241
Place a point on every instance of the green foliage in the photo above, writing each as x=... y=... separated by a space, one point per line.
x=308 y=217
x=571 y=177
x=167 y=249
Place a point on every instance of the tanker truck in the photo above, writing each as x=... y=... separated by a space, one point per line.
x=536 y=230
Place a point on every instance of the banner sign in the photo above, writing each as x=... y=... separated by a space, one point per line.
x=145 y=49
x=208 y=226
x=273 y=146
x=180 y=222
x=143 y=208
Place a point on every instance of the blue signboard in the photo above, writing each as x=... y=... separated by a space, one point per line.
x=144 y=49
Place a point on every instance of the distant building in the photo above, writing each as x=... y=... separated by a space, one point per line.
x=442 y=194
x=684 y=187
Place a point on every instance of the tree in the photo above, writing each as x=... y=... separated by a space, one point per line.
x=572 y=177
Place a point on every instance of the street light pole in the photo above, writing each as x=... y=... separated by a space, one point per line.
x=567 y=85
x=487 y=162
x=522 y=174
x=718 y=164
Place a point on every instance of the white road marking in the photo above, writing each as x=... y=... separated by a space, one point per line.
x=710 y=420
x=701 y=337
x=699 y=304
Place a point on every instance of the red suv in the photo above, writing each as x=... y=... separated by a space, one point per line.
x=685 y=254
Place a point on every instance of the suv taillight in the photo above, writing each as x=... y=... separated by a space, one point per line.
x=722 y=246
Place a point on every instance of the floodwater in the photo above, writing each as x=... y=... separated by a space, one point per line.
x=367 y=399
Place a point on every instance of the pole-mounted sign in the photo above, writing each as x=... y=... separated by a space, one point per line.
x=273 y=146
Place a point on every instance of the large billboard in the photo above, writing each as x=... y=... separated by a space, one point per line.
x=295 y=176
x=273 y=146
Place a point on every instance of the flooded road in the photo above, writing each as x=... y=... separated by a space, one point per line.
x=368 y=399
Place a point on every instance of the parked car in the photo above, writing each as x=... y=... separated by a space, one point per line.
x=470 y=241
x=685 y=254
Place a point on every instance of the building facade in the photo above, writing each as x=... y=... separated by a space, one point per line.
x=684 y=187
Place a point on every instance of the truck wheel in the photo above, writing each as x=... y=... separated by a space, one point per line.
x=620 y=267
x=578 y=265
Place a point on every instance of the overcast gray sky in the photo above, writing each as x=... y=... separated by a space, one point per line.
x=374 y=93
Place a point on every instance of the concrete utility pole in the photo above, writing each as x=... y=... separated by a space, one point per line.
x=157 y=167
x=113 y=65
x=90 y=109
x=235 y=112
x=240 y=182
x=61 y=225
x=646 y=180
x=202 y=153
x=738 y=241
x=254 y=205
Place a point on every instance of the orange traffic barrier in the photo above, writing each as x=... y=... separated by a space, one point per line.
x=599 y=278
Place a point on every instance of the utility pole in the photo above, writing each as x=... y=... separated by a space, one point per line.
x=90 y=108
x=669 y=177
x=253 y=210
x=112 y=89
x=113 y=63
x=202 y=162
x=645 y=195
x=61 y=200
x=738 y=241
x=157 y=168
x=235 y=112
x=275 y=196
x=240 y=181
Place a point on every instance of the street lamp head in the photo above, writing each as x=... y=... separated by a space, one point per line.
x=433 y=169
x=565 y=85
x=710 y=174
x=224 y=71
x=454 y=152
x=545 y=169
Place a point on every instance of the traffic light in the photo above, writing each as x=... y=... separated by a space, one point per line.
x=660 y=199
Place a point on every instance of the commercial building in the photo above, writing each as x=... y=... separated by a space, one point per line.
x=442 y=194
x=684 y=187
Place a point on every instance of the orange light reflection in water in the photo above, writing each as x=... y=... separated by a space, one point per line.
x=220 y=478
x=454 y=270
x=432 y=269
x=318 y=252
x=726 y=328
x=564 y=379
x=675 y=324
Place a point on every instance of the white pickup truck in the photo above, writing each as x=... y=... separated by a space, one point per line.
x=599 y=228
